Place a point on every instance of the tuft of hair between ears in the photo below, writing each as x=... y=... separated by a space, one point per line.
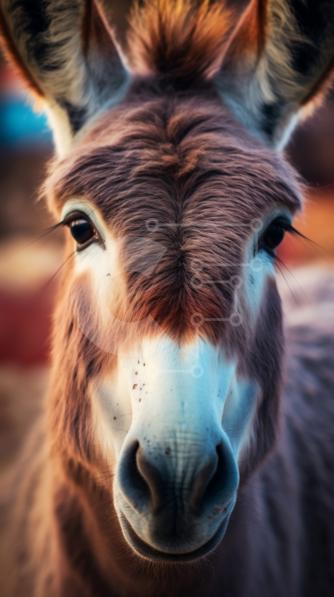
x=178 y=40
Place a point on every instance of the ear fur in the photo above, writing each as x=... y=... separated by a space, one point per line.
x=278 y=64
x=65 y=55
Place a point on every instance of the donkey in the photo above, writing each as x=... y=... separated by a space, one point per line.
x=187 y=438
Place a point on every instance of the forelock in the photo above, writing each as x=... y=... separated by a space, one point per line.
x=178 y=183
x=178 y=40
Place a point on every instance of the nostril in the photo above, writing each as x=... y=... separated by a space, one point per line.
x=140 y=479
x=152 y=477
x=204 y=477
x=220 y=480
x=132 y=482
x=214 y=481
x=150 y=485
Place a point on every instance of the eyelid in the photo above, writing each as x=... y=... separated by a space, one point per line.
x=282 y=219
x=83 y=207
x=77 y=215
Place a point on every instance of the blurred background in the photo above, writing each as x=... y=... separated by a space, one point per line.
x=28 y=263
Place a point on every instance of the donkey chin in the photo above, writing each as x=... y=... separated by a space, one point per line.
x=176 y=509
x=167 y=540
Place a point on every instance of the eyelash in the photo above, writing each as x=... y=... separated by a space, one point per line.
x=80 y=225
x=89 y=233
x=273 y=235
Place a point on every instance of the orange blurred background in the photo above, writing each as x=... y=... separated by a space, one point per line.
x=27 y=263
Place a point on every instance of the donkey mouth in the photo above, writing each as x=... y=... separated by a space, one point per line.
x=148 y=552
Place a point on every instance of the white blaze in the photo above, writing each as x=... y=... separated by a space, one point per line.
x=173 y=395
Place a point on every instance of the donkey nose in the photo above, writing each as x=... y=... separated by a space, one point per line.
x=142 y=480
x=210 y=481
x=151 y=483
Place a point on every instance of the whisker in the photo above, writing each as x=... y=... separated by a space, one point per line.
x=281 y=266
x=295 y=232
x=58 y=270
x=45 y=233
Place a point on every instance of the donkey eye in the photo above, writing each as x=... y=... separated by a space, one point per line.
x=274 y=235
x=82 y=229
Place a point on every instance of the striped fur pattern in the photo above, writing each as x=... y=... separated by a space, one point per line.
x=182 y=138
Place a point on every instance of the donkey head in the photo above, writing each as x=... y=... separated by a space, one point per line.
x=168 y=336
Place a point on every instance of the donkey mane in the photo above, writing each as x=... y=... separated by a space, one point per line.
x=179 y=41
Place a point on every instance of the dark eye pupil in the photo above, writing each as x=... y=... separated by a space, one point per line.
x=274 y=234
x=82 y=231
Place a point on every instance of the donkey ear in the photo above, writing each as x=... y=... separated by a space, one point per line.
x=68 y=57
x=278 y=62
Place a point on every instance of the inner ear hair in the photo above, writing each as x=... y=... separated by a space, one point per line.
x=278 y=64
x=67 y=57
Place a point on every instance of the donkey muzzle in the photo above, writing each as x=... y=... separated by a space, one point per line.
x=175 y=496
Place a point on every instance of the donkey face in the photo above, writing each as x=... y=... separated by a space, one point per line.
x=173 y=283
x=169 y=341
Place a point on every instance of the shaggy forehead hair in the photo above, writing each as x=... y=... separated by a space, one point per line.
x=181 y=185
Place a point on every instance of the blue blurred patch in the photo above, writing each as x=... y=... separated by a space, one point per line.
x=20 y=125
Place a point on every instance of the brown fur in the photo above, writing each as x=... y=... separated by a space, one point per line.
x=173 y=152
x=174 y=180
x=271 y=51
x=11 y=52
x=179 y=40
